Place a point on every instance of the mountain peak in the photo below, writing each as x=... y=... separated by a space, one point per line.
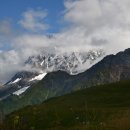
x=127 y=51
x=71 y=62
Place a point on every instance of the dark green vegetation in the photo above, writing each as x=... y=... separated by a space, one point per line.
x=105 y=107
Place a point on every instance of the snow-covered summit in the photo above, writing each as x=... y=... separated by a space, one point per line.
x=71 y=62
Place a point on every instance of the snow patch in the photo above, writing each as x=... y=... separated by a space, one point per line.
x=42 y=62
x=39 y=77
x=15 y=81
x=20 y=91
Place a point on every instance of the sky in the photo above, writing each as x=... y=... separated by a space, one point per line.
x=13 y=10
x=74 y=25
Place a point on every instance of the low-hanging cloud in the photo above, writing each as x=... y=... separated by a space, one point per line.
x=93 y=24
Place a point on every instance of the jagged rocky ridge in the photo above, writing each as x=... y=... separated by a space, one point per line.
x=71 y=62
x=112 y=68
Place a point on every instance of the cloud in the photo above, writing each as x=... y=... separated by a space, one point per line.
x=104 y=22
x=97 y=13
x=32 y=41
x=93 y=24
x=82 y=12
x=33 y=20
x=8 y=61
x=5 y=31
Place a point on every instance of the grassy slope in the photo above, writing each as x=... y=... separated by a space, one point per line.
x=105 y=107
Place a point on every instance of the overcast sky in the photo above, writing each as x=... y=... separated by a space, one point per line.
x=76 y=25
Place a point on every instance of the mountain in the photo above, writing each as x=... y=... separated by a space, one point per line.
x=112 y=68
x=105 y=107
x=45 y=62
x=70 y=62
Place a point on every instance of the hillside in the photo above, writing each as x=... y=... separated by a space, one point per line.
x=105 y=107
x=112 y=68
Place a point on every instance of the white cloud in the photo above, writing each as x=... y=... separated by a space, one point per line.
x=32 y=41
x=104 y=21
x=94 y=24
x=33 y=20
x=9 y=61
x=97 y=13
x=82 y=12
